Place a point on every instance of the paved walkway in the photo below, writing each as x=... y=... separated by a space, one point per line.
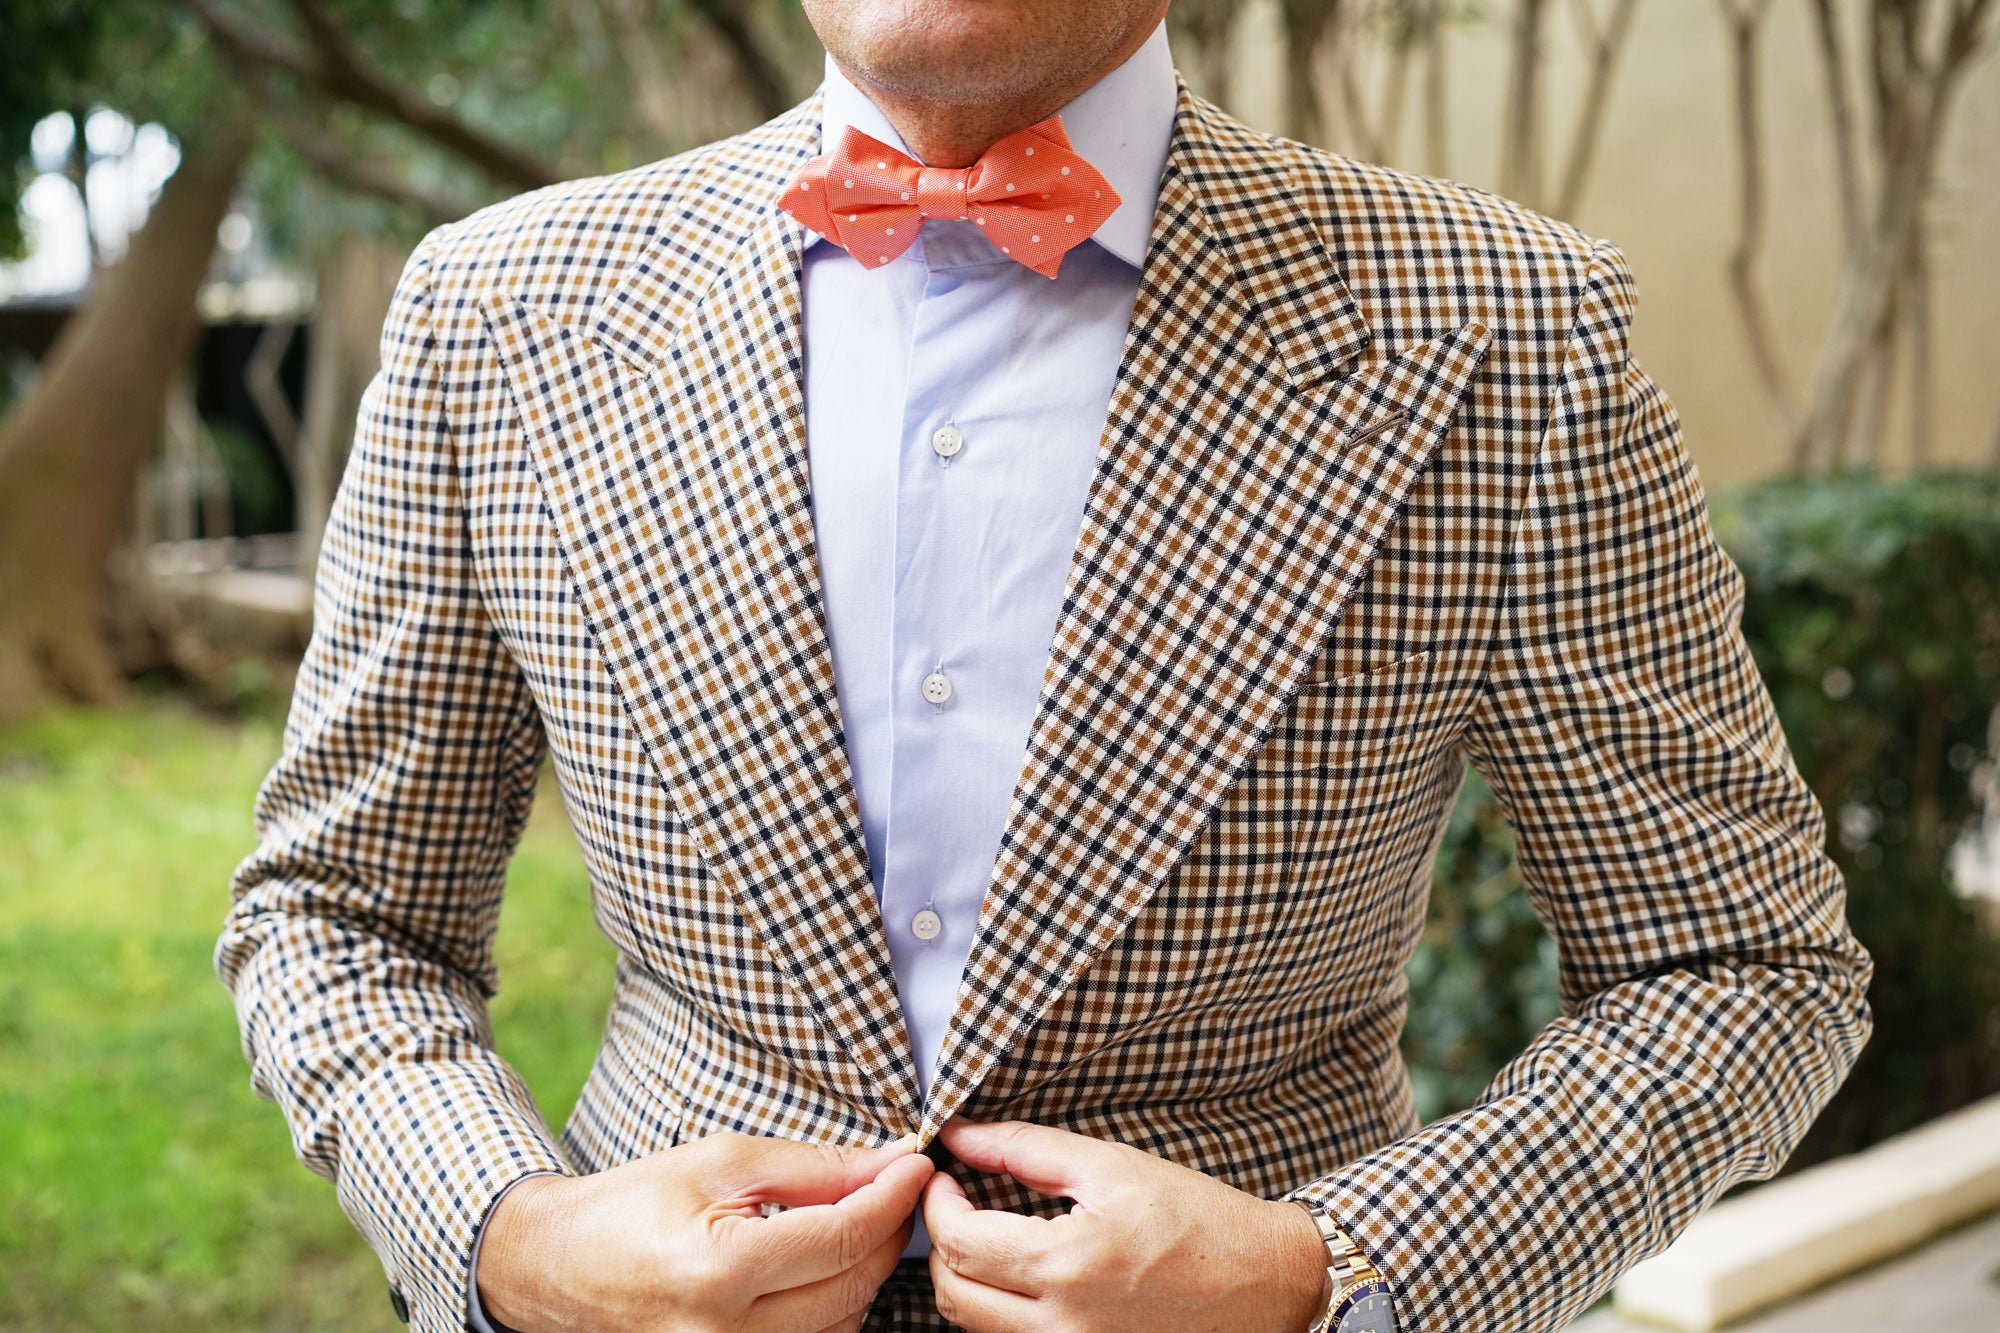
x=1951 y=1285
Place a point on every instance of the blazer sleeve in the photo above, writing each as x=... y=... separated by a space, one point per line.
x=359 y=941
x=1713 y=996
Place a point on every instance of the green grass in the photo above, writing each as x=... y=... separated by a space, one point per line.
x=142 y=1184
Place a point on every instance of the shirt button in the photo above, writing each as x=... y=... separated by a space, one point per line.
x=937 y=687
x=947 y=440
x=926 y=925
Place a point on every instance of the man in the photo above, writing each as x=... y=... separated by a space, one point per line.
x=1017 y=714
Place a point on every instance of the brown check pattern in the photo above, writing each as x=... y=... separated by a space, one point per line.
x=1380 y=492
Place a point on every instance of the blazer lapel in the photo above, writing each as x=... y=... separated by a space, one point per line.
x=1246 y=475
x=670 y=438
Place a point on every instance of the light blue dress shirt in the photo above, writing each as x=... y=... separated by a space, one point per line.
x=954 y=401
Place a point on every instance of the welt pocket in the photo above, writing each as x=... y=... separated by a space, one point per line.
x=1417 y=664
x=1332 y=721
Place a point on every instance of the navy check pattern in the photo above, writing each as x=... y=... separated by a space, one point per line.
x=1380 y=493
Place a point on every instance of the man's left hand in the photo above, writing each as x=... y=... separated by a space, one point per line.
x=1148 y=1245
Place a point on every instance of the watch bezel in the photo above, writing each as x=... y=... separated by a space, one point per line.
x=1345 y=1300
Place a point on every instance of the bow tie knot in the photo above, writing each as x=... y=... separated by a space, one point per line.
x=941 y=193
x=1031 y=195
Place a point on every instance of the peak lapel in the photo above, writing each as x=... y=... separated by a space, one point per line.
x=1244 y=481
x=670 y=437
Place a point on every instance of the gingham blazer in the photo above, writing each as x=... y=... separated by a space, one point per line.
x=1380 y=492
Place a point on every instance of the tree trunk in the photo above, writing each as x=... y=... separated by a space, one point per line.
x=71 y=451
x=356 y=284
x=1521 y=125
x=1304 y=23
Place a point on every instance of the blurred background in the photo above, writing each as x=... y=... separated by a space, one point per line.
x=204 y=205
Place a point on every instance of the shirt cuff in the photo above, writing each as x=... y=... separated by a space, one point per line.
x=476 y=1319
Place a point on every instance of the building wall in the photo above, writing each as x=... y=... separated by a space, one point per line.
x=1664 y=189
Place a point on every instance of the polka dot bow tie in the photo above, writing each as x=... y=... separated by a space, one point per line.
x=1032 y=195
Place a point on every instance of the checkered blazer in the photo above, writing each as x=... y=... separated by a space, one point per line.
x=1381 y=491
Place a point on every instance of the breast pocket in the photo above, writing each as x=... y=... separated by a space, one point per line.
x=1367 y=763
x=1343 y=798
x=1341 y=720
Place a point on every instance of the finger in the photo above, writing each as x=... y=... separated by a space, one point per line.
x=814 y=1242
x=835 y=1302
x=741 y=1169
x=978 y=1308
x=990 y=1246
x=1052 y=1161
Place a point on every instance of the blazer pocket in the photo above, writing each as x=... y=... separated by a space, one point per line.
x=1333 y=721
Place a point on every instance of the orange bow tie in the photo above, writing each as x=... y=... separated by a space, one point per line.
x=1034 y=197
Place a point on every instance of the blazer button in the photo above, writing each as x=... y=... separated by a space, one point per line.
x=399 y=1304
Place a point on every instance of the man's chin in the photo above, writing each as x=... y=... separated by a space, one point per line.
x=954 y=68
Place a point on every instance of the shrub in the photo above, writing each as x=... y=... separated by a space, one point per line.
x=1873 y=608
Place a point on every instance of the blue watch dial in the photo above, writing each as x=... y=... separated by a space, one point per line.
x=1366 y=1308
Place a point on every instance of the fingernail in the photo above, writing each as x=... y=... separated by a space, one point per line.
x=908 y=1143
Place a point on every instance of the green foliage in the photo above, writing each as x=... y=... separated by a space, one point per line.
x=143 y=1185
x=48 y=43
x=145 y=59
x=257 y=491
x=1483 y=978
x=1873 y=608
x=547 y=77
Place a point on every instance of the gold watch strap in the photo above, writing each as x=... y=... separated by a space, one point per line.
x=1346 y=1263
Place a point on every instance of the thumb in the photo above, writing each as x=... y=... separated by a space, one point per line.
x=1049 y=1160
x=783 y=1171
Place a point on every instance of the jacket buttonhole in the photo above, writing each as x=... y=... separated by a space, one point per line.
x=1362 y=434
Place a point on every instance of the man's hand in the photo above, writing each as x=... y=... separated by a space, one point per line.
x=677 y=1240
x=1148 y=1245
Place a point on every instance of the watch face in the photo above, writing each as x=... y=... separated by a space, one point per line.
x=1367 y=1309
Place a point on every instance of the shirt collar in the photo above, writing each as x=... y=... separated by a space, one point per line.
x=1121 y=124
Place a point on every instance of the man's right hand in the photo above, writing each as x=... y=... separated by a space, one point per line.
x=678 y=1240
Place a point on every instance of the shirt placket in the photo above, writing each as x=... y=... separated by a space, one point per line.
x=934 y=877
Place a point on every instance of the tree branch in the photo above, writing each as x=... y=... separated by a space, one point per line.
x=1913 y=97
x=1364 y=135
x=1923 y=362
x=639 y=61
x=1744 y=20
x=1437 y=98
x=346 y=169
x=763 y=76
x=1521 y=132
x=1405 y=22
x=349 y=74
x=1606 y=44
x=1968 y=31
x=335 y=70
x=1203 y=27
x=1305 y=22
x=328 y=158
x=1840 y=110
x=1874 y=386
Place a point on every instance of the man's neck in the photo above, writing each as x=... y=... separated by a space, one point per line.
x=954 y=134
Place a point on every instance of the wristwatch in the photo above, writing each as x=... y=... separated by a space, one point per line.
x=1356 y=1295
